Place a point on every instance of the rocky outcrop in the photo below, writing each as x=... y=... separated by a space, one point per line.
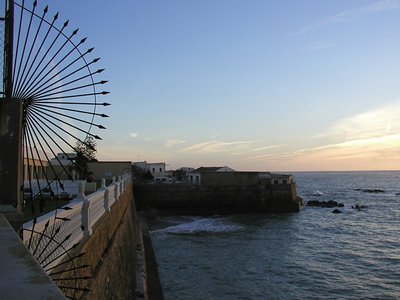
x=370 y=190
x=328 y=204
x=359 y=207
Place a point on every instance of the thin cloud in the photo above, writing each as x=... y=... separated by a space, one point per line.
x=217 y=147
x=364 y=154
x=266 y=148
x=169 y=143
x=375 y=123
x=364 y=150
x=382 y=142
x=251 y=150
x=344 y=16
x=133 y=134
x=258 y=157
x=368 y=140
x=232 y=148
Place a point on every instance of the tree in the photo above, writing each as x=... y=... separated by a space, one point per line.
x=87 y=148
x=140 y=174
x=85 y=152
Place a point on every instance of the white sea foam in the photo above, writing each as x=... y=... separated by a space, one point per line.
x=318 y=193
x=202 y=225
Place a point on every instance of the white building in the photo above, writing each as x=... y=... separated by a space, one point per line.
x=35 y=167
x=156 y=169
x=64 y=159
x=141 y=165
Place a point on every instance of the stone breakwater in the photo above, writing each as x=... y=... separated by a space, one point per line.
x=200 y=200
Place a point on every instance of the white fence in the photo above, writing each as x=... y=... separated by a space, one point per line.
x=58 y=231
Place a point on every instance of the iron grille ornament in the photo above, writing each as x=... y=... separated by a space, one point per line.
x=53 y=78
x=53 y=73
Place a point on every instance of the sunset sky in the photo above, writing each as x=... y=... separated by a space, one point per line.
x=251 y=84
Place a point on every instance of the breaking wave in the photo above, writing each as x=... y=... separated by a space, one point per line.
x=202 y=225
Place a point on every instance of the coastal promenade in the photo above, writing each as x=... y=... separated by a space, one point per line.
x=22 y=277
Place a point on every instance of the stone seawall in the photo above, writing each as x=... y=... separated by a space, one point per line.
x=192 y=199
x=152 y=289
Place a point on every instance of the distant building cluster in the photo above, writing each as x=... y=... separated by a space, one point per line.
x=205 y=176
x=39 y=168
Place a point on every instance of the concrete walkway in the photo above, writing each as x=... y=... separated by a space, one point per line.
x=21 y=277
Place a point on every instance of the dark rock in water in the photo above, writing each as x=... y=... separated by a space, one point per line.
x=313 y=203
x=328 y=204
x=359 y=207
x=331 y=203
x=336 y=211
x=371 y=190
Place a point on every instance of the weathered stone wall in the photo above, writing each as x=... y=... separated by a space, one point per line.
x=152 y=289
x=110 y=253
x=192 y=199
x=235 y=179
x=280 y=197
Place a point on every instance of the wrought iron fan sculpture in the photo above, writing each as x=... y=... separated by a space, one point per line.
x=49 y=70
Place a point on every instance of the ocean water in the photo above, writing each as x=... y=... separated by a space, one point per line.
x=314 y=254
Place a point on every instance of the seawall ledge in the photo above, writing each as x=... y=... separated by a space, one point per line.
x=21 y=276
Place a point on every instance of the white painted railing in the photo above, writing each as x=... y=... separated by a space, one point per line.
x=69 y=186
x=58 y=231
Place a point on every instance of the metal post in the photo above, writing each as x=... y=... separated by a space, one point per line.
x=11 y=128
x=11 y=159
x=8 y=49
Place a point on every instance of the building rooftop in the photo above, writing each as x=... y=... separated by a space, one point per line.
x=207 y=169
